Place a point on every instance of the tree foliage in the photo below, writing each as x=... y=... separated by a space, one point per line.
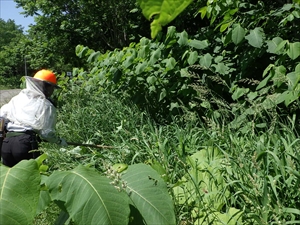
x=11 y=49
x=101 y=25
x=61 y=25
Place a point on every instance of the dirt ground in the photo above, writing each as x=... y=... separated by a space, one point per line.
x=6 y=95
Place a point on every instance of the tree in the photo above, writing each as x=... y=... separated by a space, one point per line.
x=101 y=25
x=11 y=49
x=62 y=25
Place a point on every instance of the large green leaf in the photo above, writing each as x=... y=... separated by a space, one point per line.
x=225 y=26
x=162 y=94
x=88 y=197
x=204 y=182
x=183 y=38
x=205 y=60
x=149 y=194
x=162 y=11
x=198 y=44
x=238 y=34
x=81 y=51
x=19 y=194
x=170 y=63
x=294 y=50
x=273 y=44
x=155 y=55
x=291 y=97
x=221 y=68
x=140 y=67
x=93 y=57
x=256 y=37
x=293 y=79
x=151 y=80
x=193 y=57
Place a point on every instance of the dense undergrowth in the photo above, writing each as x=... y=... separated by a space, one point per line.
x=9 y=83
x=215 y=175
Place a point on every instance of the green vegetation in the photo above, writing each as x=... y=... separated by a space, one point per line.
x=11 y=51
x=202 y=120
x=10 y=83
x=212 y=173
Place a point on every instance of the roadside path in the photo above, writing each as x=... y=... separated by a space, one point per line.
x=6 y=95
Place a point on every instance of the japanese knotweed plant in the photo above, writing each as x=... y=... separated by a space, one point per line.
x=278 y=89
x=154 y=73
x=133 y=194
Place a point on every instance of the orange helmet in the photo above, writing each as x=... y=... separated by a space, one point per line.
x=46 y=75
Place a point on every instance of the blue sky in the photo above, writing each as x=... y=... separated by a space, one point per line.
x=8 y=10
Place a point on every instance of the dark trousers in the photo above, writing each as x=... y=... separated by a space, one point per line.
x=15 y=149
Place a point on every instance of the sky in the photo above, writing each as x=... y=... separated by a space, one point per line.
x=8 y=10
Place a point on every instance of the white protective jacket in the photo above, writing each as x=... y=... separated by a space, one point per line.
x=31 y=110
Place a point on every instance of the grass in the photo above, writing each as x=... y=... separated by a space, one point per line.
x=252 y=178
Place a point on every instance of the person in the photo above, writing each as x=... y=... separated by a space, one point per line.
x=30 y=115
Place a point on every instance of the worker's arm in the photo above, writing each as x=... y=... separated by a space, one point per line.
x=48 y=132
